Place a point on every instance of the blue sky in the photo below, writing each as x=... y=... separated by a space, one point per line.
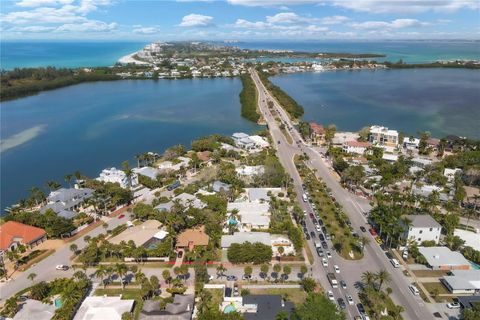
x=240 y=19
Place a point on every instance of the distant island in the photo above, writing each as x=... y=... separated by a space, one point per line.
x=179 y=60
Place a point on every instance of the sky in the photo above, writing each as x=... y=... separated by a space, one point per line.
x=157 y=20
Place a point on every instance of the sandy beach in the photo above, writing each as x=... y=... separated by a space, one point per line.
x=129 y=58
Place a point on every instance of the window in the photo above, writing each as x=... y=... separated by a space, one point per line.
x=431 y=229
x=421 y=231
x=419 y=239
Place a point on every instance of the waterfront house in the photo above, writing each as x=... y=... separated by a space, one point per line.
x=442 y=258
x=66 y=201
x=382 y=136
x=191 y=238
x=148 y=172
x=357 y=147
x=114 y=175
x=13 y=234
x=411 y=143
x=421 y=228
x=317 y=132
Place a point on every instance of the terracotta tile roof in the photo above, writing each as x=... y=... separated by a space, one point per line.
x=204 y=155
x=11 y=231
x=317 y=128
x=358 y=144
x=196 y=236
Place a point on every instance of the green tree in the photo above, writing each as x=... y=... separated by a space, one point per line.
x=308 y=284
x=317 y=307
x=303 y=270
x=383 y=276
x=282 y=315
x=101 y=273
x=73 y=248
x=248 y=271
x=264 y=269
x=32 y=276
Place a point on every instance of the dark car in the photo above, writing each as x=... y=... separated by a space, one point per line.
x=320 y=222
x=173 y=186
x=278 y=141
x=312 y=234
x=320 y=252
x=311 y=215
x=324 y=229
x=324 y=245
x=231 y=278
x=361 y=308
x=307 y=236
x=343 y=284
x=341 y=303
x=363 y=229
x=321 y=237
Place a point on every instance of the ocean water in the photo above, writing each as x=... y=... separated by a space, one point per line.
x=64 y=54
x=92 y=126
x=442 y=101
x=408 y=51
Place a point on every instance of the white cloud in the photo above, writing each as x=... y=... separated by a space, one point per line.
x=394 y=24
x=38 y=3
x=242 y=23
x=286 y=17
x=196 y=20
x=269 y=3
x=89 y=26
x=145 y=30
x=405 y=6
x=31 y=29
x=334 y=20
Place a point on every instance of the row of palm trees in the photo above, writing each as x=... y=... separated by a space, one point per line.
x=376 y=280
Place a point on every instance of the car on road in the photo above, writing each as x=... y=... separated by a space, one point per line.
x=378 y=240
x=62 y=267
x=317 y=227
x=330 y=295
x=414 y=290
x=343 y=284
x=325 y=262
x=320 y=222
x=246 y=277
x=121 y=216
x=311 y=215
x=349 y=300
x=329 y=254
x=363 y=229
x=321 y=237
x=361 y=308
x=337 y=269
x=307 y=236
x=320 y=252
x=324 y=245
x=373 y=232
x=341 y=303
x=278 y=141
x=231 y=278
x=312 y=234
x=453 y=305
x=327 y=236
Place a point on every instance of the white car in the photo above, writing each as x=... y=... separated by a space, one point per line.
x=337 y=269
x=318 y=228
x=330 y=295
x=349 y=299
x=329 y=254
x=453 y=305
x=324 y=262
x=62 y=267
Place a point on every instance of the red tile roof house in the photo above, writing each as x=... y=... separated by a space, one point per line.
x=13 y=234
x=318 y=132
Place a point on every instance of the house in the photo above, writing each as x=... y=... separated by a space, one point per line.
x=357 y=147
x=390 y=157
x=422 y=228
x=259 y=142
x=450 y=173
x=472 y=197
x=180 y=309
x=191 y=238
x=421 y=162
x=341 y=137
x=426 y=190
x=103 y=307
x=13 y=234
x=148 y=172
x=146 y=234
x=433 y=143
x=34 y=309
x=261 y=194
x=267 y=306
x=242 y=237
x=204 y=156
x=187 y=200
x=472 y=239
x=317 y=132
x=469 y=302
x=250 y=171
x=63 y=199
x=462 y=281
x=245 y=143
x=252 y=215
x=442 y=258
x=411 y=143
x=114 y=175
x=382 y=136
x=217 y=186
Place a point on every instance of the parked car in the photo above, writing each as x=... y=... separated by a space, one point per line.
x=373 y=232
x=329 y=254
x=307 y=236
x=317 y=227
x=330 y=295
x=62 y=267
x=363 y=229
x=231 y=278
x=325 y=262
x=337 y=269
x=312 y=234
x=405 y=255
x=343 y=284
x=121 y=216
x=361 y=308
x=324 y=245
x=349 y=299
x=320 y=252
x=321 y=237
x=414 y=290
x=341 y=303
x=453 y=305
x=327 y=236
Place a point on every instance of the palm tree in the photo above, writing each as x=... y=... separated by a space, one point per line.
x=139 y=276
x=128 y=172
x=32 y=276
x=166 y=275
x=53 y=185
x=73 y=248
x=368 y=278
x=101 y=272
x=221 y=270
x=121 y=269
x=68 y=179
x=382 y=276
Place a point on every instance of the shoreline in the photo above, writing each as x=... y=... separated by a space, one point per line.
x=129 y=58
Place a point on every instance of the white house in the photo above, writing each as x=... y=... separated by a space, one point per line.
x=260 y=142
x=422 y=228
x=355 y=147
x=252 y=215
x=103 y=307
x=118 y=176
x=250 y=170
x=411 y=143
x=450 y=173
x=148 y=172
x=382 y=136
x=462 y=281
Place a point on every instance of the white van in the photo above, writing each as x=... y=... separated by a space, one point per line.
x=414 y=290
x=304 y=197
x=395 y=263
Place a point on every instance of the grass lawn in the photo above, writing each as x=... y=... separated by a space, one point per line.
x=287 y=135
x=431 y=286
x=429 y=273
x=309 y=252
x=297 y=296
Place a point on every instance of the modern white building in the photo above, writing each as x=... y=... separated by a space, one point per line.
x=103 y=307
x=250 y=171
x=450 y=173
x=462 y=281
x=251 y=215
x=148 y=172
x=114 y=175
x=442 y=258
x=356 y=147
x=422 y=228
x=383 y=136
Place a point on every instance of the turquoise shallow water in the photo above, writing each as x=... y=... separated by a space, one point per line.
x=442 y=101
x=91 y=126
